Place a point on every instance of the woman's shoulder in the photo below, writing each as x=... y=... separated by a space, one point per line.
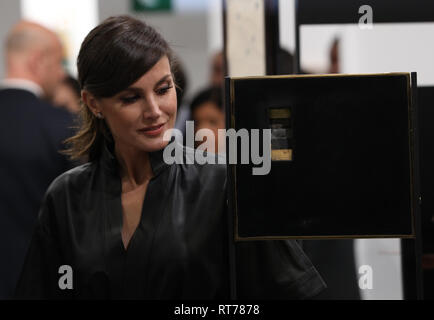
x=61 y=196
x=75 y=178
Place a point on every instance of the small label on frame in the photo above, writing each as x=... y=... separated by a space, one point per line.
x=281 y=134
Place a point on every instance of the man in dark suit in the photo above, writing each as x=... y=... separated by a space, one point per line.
x=31 y=135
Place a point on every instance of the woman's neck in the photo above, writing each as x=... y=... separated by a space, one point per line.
x=135 y=166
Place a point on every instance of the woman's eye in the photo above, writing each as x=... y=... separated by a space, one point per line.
x=163 y=90
x=129 y=99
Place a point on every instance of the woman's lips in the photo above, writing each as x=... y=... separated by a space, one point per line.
x=153 y=130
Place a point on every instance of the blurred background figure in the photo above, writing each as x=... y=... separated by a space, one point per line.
x=31 y=135
x=34 y=57
x=211 y=116
x=68 y=95
x=181 y=82
x=334 y=57
x=217 y=73
x=207 y=113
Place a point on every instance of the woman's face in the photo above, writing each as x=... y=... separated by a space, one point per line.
x=139 y=116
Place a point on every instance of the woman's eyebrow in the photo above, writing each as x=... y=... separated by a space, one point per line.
x=162 y=80
x=132 y=90
x=139 y=89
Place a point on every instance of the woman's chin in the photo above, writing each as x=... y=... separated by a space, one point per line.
x=153 y=146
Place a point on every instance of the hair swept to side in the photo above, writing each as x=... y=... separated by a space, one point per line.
x=113 y=56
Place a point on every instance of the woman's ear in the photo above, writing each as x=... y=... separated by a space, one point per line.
x=89 y=100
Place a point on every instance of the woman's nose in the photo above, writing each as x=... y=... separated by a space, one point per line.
x=152 y=109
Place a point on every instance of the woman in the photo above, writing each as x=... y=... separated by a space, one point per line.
x=128 y=225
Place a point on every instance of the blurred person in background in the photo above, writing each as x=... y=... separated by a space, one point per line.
x=207 y=113
x=181 y=86
x=216 y=115
x=68 y=95
x=216 y=78
x=31 y=135
x=217 y=74
x=334 y=57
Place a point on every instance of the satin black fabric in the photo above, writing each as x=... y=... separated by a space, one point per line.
x=178 y=251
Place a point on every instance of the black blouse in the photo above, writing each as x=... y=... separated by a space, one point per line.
x=178 y=251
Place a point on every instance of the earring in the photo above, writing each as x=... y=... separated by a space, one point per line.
x=99 y=115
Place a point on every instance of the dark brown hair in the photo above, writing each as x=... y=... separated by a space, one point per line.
x=112 y=57
x=210 y=94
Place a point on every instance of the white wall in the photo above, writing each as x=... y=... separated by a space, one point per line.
x=187 y=29
x=384 y=257
x=287 y=24
x=10 y=13
x=215 y=26
x=390 y=47
x=386 y=48
x=315 y=42
x=72 y=21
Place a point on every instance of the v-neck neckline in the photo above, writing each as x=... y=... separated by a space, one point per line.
x=110 y=163
x=142 y=213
